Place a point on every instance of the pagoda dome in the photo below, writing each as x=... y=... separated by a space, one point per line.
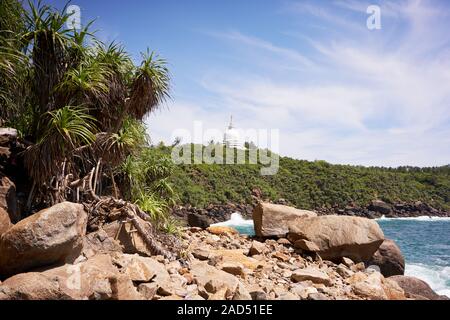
x=231 y=138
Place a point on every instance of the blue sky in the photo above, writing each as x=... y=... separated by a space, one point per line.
x=336 y=90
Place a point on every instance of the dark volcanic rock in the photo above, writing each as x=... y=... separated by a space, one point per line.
x=197 y=220
x=380 y=206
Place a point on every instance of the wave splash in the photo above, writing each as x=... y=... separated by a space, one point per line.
x=438 y=277
x=421 y=218
x=236 y=221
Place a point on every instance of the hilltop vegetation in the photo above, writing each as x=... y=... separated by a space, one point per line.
x=308 y=184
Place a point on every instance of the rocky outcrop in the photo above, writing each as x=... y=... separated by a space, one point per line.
x=273 y=220
x=334 y=237
x=214 y=264
x=5 y=222
x=389 y=259
x=50 y=236
x=276 y=270
x=416 y=289
x=378 y=208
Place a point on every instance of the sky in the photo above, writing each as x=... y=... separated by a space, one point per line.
x=334 y=89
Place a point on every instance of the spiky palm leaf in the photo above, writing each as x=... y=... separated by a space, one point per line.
x=150 y=87
x=48 y=41
x=113 y=148
x=85 y=84
x=114 y=58
x=12 y=72
x=65 y=130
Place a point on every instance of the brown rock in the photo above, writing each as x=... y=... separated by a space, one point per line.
x=235 y=268
x=222 y=230
x=393 y=290
x=201 y=254
x=130 y=241
x=242 y=293
x=347 y=261
x=415 y=288
x=99 y=242
x=5 y=221
x=96 y=279
x=335 y=237
x=236 y=256
x=50 y=236
x=288 y=296
x=141 y=269
x=213 y=279
x=368 y=286
x=389 y=259
x=311 y=274
x=8 y=200
x=197 y=220
x=273 y=219
x=281 y=256
x=148 y=290
x=31 y=286
x=257 y=248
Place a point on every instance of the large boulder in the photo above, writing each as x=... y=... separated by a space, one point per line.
x=389 y=259
x=5 y=222
x=334 y=237
x=8 y=200
x=31 y=286
x=95 y=279
x=272 y=220
x=416 y=289
x=52 y=235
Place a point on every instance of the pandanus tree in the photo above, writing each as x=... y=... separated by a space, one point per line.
x=83 y=115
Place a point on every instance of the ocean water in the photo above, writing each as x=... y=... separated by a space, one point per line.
x=424 y=241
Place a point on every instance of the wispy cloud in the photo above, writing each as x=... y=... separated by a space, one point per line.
x=373 y=98
x=237 y=37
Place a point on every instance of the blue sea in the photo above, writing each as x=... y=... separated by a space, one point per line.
x=424 y=241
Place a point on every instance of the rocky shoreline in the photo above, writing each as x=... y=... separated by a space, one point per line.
x=376 y=209
x=51 y=255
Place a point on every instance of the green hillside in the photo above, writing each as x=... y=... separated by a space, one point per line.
x=308 y=184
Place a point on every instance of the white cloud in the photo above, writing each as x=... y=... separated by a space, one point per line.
x=356 y=101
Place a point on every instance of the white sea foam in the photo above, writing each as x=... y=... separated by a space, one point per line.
x=437 y=277
x=236 y=220
x=421 y=218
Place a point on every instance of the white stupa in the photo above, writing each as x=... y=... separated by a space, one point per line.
x=231 y=138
